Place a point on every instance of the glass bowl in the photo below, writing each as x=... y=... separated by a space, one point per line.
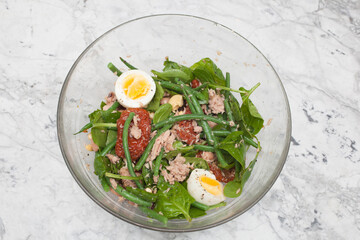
x=145 y=42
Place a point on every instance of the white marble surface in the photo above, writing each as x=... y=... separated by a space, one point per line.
x=314 y=46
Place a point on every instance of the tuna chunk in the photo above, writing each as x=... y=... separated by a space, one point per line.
x=178 y=170
x=135 y=131
x=197 y=128
x=124 y=171
x=216 y=102
x=110 y=99
x=211 y=124
x=208 y=156
x=164 y=100
x=113 y=183
x=113 y=158
x=165 y=140
x=205 y=109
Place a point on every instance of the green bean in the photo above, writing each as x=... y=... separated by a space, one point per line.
x=171 y=86
x=126 y=148
x=200 y=206
x=148 y=148
x=87 y=126
x=157 y=163
x=129 y=196
x=251 y=142
x=109 y=125
x=196 y=116
x=107 y=148
x=114 y=69
x=222 y=204
x=209 y=134
x=154 y=214
x=221 y=133
x=207 y=207
x=172 y=73
x=128 y=64
x=141 y=193
x=198 y=94
x=180 y=89
x=189 y=102
x=201 y=86
x=116 y=176
x=112 y=108
x=205 y=148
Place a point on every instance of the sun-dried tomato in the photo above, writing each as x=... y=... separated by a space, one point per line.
x=136 y=146
x=185 y=130
x=222 y=175
x=195 y=83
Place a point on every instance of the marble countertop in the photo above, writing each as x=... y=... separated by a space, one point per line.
x=313 y=45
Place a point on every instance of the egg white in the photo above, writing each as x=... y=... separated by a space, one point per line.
x=198 y=192
x=140 y=102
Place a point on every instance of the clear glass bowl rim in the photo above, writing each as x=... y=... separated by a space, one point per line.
x=283 y=155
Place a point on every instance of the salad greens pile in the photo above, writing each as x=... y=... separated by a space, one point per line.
x=230 y=140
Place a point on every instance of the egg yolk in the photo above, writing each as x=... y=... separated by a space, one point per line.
x=210 y=185
x=136 y=86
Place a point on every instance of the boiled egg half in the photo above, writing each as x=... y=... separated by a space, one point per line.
x=135 y=89
x=204 y=188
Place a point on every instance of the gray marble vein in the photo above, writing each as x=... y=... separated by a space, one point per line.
x=313 y=45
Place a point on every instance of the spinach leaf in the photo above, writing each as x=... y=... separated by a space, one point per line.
x=162 y=113
x=234 y=145
x=202 y=73
x=95 y=116
x=183 y=74
x=110 y=117
x=245 y=174
x=155 y=102
x=173 y=65
x=173 y=200
x=104 y=184
x=170 y=65
x=198 y=162
x=102 y=104
x=207 y=71
x=194 y=213
x=100 y=166
x=205 y=93
x=112 y=135
x=232 y=189
x=99 y=135
x=236 y=152
x=230 y=160
x=252 y=117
